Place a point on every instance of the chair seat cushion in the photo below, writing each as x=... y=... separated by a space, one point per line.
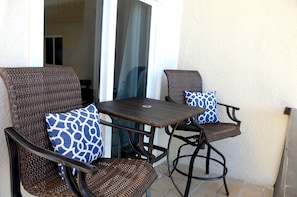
x=213 y=131
x=115 y=177
x=218 y=131
x=76 y=134
x=206 y=100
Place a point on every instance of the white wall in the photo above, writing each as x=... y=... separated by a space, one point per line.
x=166 y=52
x=246 y=50
x=21 y=44
x=167 y=40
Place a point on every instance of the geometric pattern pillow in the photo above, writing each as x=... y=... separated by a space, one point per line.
x=76 y=134
x=205 y=100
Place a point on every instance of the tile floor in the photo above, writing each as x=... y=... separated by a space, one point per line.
x=163 y=187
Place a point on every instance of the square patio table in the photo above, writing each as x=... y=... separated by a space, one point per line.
x=146 y=111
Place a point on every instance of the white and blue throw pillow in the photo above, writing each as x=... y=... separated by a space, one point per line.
x=205 y=100
x=76 y=134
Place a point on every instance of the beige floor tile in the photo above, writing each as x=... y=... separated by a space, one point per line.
x=237 y=188
x=222 y=192
x=268 y=192
x=250 y=193
x=234 y=187
x=162 y=186
x=194 y=185
x=209 y=188
x=202 y=195
x=172 y=193
x=253 y=187
x=155 y=194
x=224 y=195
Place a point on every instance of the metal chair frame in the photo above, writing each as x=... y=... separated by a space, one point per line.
x=178 y=81
x=34 y=91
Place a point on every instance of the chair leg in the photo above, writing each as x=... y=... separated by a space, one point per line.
x=14 y=162
x=175 y=162
x=190 y=173
x=193 y=156
x=225 y=184
x=225 y=170
x=207 y=160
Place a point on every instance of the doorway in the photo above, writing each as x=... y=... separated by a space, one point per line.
x=91 y=44
x=77 y=26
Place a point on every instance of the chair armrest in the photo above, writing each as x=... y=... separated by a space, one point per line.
x=15 y=139
x=226 y=105
x=231 y=110
x=287 y=111
x=48 y=154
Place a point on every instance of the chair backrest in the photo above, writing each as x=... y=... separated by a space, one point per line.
x=33 y=92
x=180 y=80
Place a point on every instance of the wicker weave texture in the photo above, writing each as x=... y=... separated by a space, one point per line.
x=32 y=93
x=180 y=80
x=115 y=178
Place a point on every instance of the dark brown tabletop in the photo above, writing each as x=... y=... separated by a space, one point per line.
x=147 y=111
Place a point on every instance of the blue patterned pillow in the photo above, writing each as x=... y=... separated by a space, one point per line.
x=76 y=134
x=207 y=101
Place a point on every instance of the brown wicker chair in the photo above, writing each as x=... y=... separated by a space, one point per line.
x=178 y=81
x=33 y=92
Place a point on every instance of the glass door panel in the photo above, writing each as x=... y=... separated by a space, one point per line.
x=72 y=31
x=131 y=62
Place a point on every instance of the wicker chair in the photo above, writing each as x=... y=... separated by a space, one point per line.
x=33 y=92
x=178 y=81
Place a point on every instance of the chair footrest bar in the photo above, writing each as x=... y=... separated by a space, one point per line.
x=199 y=177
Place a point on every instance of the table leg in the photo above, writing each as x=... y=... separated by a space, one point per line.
x=151 y=144
x=139 y=147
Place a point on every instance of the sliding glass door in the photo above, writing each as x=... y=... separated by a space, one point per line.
x=126 y=56
x=131 y=63
x=132 y=48
x=109 y=44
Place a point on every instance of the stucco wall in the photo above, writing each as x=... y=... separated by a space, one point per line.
x=246 y=51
